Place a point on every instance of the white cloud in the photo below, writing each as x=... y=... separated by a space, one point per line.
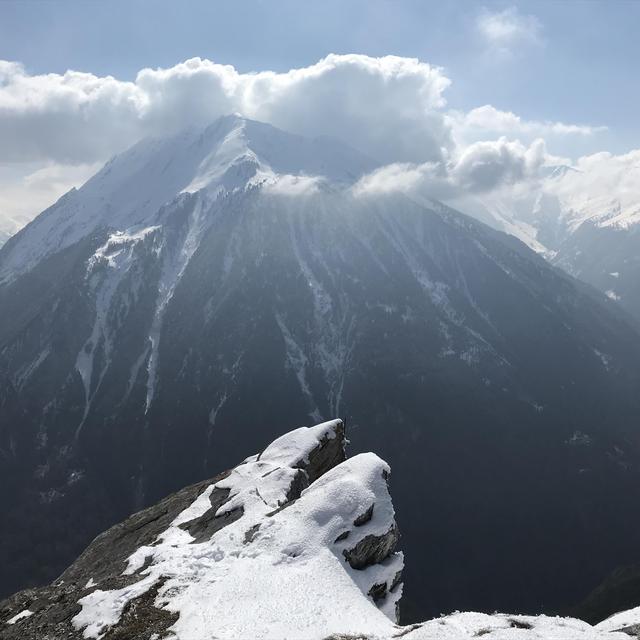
x=398 y=176
x=480 y=167
x=484 y=121
x=28 y=189
x=58 y=127
x=71 y=118
x=288 y=185
x=388 y=107
x=509 y=28
x=487 y=165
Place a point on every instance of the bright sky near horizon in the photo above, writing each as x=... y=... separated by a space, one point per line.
x=564 y=71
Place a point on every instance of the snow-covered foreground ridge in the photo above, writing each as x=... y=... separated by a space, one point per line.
x=295 y=542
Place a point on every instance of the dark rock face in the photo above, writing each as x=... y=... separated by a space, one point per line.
x=372 y=549
x=465 y=360
x=205 y=526
x=633 y=630
x=329 y=453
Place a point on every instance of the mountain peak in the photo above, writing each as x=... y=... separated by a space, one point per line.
x=230 y=153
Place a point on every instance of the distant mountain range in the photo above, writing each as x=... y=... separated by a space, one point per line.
x=595 y=239
x=205 y=292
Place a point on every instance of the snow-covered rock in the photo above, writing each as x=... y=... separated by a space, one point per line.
x=295 y=542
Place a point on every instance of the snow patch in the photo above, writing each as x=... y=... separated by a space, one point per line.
x=612 y=295
x=20 y=616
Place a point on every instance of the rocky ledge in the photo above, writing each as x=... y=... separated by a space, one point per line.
x=295 y=542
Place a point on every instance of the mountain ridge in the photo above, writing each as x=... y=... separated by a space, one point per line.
x=139 y=359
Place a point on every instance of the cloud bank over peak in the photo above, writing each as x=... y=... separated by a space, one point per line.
x=389 y=107
x=392 y=108
x=58 y=127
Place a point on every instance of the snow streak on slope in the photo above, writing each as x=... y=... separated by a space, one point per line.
x=333 y=318
x=105 y=271
x=175 y=261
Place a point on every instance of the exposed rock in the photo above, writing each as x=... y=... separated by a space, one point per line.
x=101 y=564
x=372 y=549
x=203 y=527
x=364 y=518
x=329 y=453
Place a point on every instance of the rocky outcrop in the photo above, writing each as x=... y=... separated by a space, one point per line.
x=297 y=541
x=52 y=608
x=121 y=588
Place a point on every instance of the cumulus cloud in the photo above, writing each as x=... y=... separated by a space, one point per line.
x=480 y=167
x=58 y=127
x=390 y=107
x=486 y=165
x=398 y=176
x=387 y=107
x=70 y=118
x=509 y=28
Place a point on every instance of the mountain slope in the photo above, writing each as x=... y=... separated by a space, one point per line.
x=296 y=541
x=608 y=257
x=170 y=327
x=595 y=238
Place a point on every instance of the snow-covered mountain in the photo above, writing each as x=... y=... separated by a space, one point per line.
x=128 y=192
x=204 y=288
x=593 y=236
x=297 y=541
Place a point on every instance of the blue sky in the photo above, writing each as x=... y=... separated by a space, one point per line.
x=584 y=69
